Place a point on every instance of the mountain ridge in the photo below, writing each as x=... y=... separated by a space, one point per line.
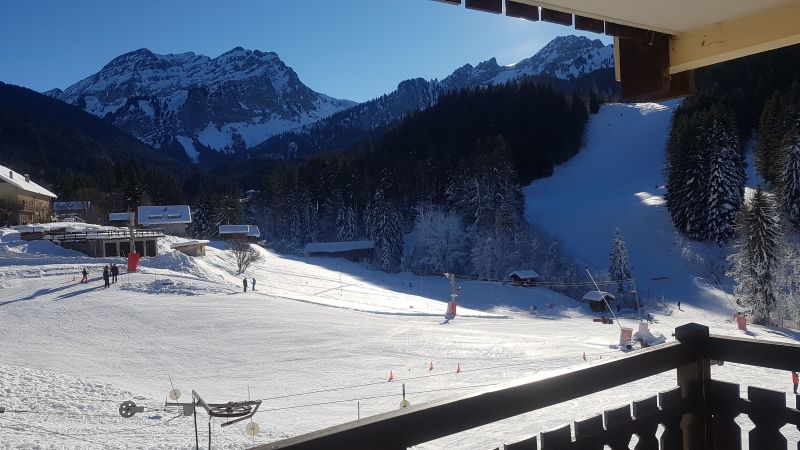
x=237 y=99
x=566 y=61
x=249 y=103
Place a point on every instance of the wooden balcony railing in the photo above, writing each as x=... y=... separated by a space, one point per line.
x=698 y=414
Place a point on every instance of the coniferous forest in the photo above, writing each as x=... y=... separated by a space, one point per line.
x=751 y=104
x=451 y=174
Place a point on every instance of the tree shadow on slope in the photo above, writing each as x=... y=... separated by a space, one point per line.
x=38 y=293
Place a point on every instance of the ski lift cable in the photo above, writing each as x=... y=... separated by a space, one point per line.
x=376 y=397
x=730 y=302
x=38 y=429
x=464 y=277
x=375 y=383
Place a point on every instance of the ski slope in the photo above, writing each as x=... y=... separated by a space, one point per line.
x=616 y=181
x=318 y=338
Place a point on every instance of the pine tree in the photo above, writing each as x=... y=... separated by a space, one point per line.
x=383 y=226
x=346 y=224
x=755 y=259
x=789 y=176
x=228 y=209
x=725 y=180
x=203 y=216
x=132 y=186
x=705 y=175
x=619 y=269
x=772 y=127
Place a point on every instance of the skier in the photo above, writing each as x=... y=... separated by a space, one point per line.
x=244 y=283
x=679 y=306
x=253 y=286
x=794 y=381
x=114 y=273
x=105 y=276
x=85 y=274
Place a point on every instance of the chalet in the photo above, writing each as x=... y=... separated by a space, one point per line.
x=244 y=232
x=93 y=240
x=171 y=219
x=598 y=300
x=351 y=250
x=523 y=277
x=21 y=200
x=191 y=248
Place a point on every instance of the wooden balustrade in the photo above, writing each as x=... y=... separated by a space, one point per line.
x=698 y=414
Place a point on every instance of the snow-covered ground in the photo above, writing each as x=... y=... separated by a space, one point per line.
x=319 y=337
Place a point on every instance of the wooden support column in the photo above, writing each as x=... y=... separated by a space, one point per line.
x=694 y=380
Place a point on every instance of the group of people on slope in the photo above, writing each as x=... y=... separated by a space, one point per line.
x=110 y=273
x=244 y=283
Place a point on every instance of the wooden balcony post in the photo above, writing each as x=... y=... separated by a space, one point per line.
x=694 y=380
x=727 y=433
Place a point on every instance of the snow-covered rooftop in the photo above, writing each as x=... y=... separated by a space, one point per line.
x=18 y=180
x=161 y=215
x=332 y=247
x=524 y=274
x=249 y=230
x=189 y=243
x=597 y=296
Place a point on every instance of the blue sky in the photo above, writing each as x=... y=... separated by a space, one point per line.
x=354 y=49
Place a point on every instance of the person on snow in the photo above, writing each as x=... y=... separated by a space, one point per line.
x=85 y=274
x=253 y=286
x=114 y=273
x=244 y=283
x=794 y=381
x=105 y=276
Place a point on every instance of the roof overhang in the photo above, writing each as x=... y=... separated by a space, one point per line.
x=658 y=44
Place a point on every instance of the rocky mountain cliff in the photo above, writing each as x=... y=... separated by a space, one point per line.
x=227 y=103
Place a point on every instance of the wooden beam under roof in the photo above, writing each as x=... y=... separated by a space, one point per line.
x=768 y=30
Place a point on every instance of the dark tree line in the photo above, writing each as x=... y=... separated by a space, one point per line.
x=463 y=161
x=754 y=96
x=524 y=129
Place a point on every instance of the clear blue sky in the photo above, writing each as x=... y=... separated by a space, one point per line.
x=354 y=49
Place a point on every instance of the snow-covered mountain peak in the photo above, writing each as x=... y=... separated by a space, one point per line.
x=565 y=57
x=238 y=99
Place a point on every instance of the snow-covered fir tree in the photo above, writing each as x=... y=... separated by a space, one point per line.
x=789 y=176
x=787 y=280
x=771 y=128
x=302 y=219
x=755 y=259
x=725 y=181
x=203 y=216
x=619 y=268
x=384 y=227
x=346 y=224
x=705 y=176
x=488 y=195
x=228 y=209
